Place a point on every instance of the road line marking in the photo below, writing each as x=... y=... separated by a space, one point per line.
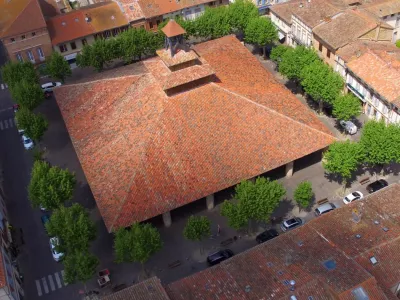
x=6 y=85
x=2 y=86
x=1 y=125
x=58 y=280
x=11 y=122
x=52 y=286
x=63 y=277
x=46 y=288
x=5 y=124
x=38 y=287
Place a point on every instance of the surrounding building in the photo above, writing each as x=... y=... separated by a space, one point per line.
x=389 y=12
x=170 y=130
x=350 y=253
x=264 y=5
x=23 y=31
x=69 y=32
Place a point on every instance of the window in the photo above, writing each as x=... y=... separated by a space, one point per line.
x=392 y=15
x=350 y=80
x=220 y=1
x=397 y=22
x=158 y=22
x=63 y=48
x=84 y=42
x=328 y=53
x=320 y=47
x=33 y=33
x=40 y=52
x=23 y=37
x=30 y=55
x=107 y=34
x=73 y=45
x=19 y=57
x=12 y=40
x=151 y=24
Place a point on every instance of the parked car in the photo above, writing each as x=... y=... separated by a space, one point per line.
x=291 y=223
x=219 y=256
x=42 y=208
x=353 y=197
x=376 y=185
x=54 y=243
x=324 y=208
x=266 y=235
x=348 y=126
x=49 y=86
x=45 y=219
x=15 y=108
x=27 y=142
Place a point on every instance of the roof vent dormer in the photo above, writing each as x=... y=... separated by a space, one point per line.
x=88 y=19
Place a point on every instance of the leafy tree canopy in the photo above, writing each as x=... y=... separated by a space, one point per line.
x=255 y=201
x=98 y=54
x=321 y=82
x=136 y=42
x=27 y=94
x=278 y=52
x=197 y=228
x=57 y=66
x=241 y=12
x=73 y=226
x=303 y=194
x=294 y=61
x=213 y=23
x=260 y=31
x=346 y=107
x=34 y=124
x=343 y=158
x=79 y=266
x=13 y=72
x=50 y=186
x=137 y=244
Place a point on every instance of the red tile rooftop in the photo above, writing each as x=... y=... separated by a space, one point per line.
x=179 y=58
x=144 y=153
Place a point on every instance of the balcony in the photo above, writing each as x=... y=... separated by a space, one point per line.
x=355 y=92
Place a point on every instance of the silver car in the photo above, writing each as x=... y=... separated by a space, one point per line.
x=349 y=127
x=324 y=208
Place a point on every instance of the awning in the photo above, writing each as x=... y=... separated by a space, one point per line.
x=70 y=56
x=281 y=35
x=262 y=7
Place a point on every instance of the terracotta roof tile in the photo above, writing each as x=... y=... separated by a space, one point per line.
x=20 y=16
x=357 y=48
x=145 y=153
x=173 y=29
x=350 y=24
x=179 y=58
x=386 y=76
x=150 y=289
x=131 y=9
x=153 y=8
x=385 y=8
x=72 y=25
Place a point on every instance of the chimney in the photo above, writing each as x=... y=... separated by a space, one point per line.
x=87 y=18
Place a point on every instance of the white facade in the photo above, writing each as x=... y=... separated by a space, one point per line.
x=394 y=21
x=301 y=34
x=189 y=13
x=283 y=27
x=375 y=107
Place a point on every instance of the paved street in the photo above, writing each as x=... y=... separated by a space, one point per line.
x=44 y=277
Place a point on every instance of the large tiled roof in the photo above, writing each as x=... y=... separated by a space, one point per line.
x=150 y=289
x=145 y=153
x=20 y=16
x=153 y=8
x=72 y=25
x=385 y=8
x=385 y=79
x=350 y=24
x=131 y=9
x=357 y=48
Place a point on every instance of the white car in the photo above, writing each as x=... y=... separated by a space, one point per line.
x=54 y=242
x=27 y=142
x=349 y=127
x=48 y=87
x=353 y=197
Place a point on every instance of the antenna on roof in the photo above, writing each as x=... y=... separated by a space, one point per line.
x=301 y=5
x=356 y=215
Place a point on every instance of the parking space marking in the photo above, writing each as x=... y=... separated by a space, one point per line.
x=46 y=288
x=38 y=287
x=58 y=280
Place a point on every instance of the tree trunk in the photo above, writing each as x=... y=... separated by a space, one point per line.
x=344 y=187
x=264 y=53
x=320 y=106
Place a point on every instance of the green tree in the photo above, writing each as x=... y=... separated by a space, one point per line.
x=34 y=124
x=13 y=72
x=50 y=186
x=346 y=107
x=321 y=83
x=303 y=194
x=255 y=201
x=27 y=94
x=342 y=159
x=213 y=23
x=57 y=66
x=260 y=31
x=380 y=143
x=278 y=52
x=79 y=266
x=197 y=228
x=294 y=61
x=98 y=54
x=135 y=43
x=73 y=226
x=398 y=43
x=137 y=244
x=240 y=13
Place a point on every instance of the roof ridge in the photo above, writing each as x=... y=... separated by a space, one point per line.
x=272 y=110
x=16 y=17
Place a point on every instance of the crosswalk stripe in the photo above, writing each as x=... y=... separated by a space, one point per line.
x=38 y=287
x=63 y=276
x=6 y=85
x=58 y=280
x=52 y=286
x=1 y=125
x=5 y=124
x=2 y=86
x=11 y=121
x=46 y=288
